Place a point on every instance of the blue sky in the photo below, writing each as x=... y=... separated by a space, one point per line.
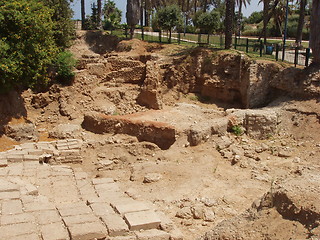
x=121 y=4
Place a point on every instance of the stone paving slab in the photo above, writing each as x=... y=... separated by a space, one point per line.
x=86 y=231
x=115 y=224
x=153 y=234
x=54 y=231
x=17 y=218
x=135 y=206
x=142 y=220
x=11 y=231
x=40 y=201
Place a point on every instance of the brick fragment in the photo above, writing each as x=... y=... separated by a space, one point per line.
x=11 y=231
x=11 y=207
x=17 y=218
x=134 y=206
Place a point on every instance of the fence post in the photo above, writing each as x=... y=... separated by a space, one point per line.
x=247 y=46
x=221 y=40
x=142 y=33
x=307 y=57
x=261 y=48
x=277 y=52
x=159 y=35
x=283 y=52
x=179 y=38
x=235 y=42
x=296 y=54
x=199 y=38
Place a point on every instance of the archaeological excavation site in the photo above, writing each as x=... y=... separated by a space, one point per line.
x=163 y=142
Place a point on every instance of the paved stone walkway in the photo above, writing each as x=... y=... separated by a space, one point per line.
x=57 y=202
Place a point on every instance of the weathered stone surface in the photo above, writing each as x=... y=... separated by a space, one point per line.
x=24 y=131
x=153 y=234
x=63 y=131
x=134 y=206
x=78 y=219
x=11 y=231
x=17 y=218
x=47 y=217
x=142 y=220
x=152 y=177
x=74 y=209
x=11 y=207
x=87 y=231
x=54 y=231
x=115 y=224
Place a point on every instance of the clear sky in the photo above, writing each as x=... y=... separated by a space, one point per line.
x=121 y=4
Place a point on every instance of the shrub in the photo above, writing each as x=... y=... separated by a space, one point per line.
x=64 y=65
x=27 y=45
x=237 y=130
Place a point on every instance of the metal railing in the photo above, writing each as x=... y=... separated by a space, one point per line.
x=271 y=50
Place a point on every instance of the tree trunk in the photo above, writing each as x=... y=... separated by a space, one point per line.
x=141 y=15
x=170 y=33
x=99 y=14
x=83 y=14
x=315 y=31
x=276 y=2
x=133 y=14
x=230 y=4
x=205 y=4
x=301 y=21
x=265 y=19
x=146 y=13
x=195 y=6
x=239 y=18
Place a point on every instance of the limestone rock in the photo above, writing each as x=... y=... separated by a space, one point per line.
x=23 y=131
x=63 y=131
x=152 y=177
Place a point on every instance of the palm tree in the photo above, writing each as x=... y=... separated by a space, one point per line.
x=266 y=4
x=302 y=11
x=240 y=3
x=83 y=14
x=315 y=31
x=230 y=4
x=133 y=14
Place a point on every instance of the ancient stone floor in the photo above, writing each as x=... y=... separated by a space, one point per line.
x=58 y=202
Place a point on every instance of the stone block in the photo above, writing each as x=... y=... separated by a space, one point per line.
x=129 y=237
x=87 y=231
x=115 y=224
x=17 y=218
x=39 y=205
x=80 y=175
x=101 y=208
x=96 y=181
x=31 y=236
x=142 y=220
x=107 y=187
x=30 y=157
x=11 y=207
x=77 y=219
x=74 y=209
x=15 y=158
x=29 y=189
x=54 y=231
x=132 y=206
x=9 y=195
x=47 y=217
x=3 y=172
x=153 y=234
x=11 y=231
x=6 y=186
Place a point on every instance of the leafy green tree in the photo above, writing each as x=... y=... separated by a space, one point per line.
x=255 y=17
x=112 y=15
x=64 y=29
x=27 y=43
x=92 y=21
x=169 y=17
x=207 y=22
